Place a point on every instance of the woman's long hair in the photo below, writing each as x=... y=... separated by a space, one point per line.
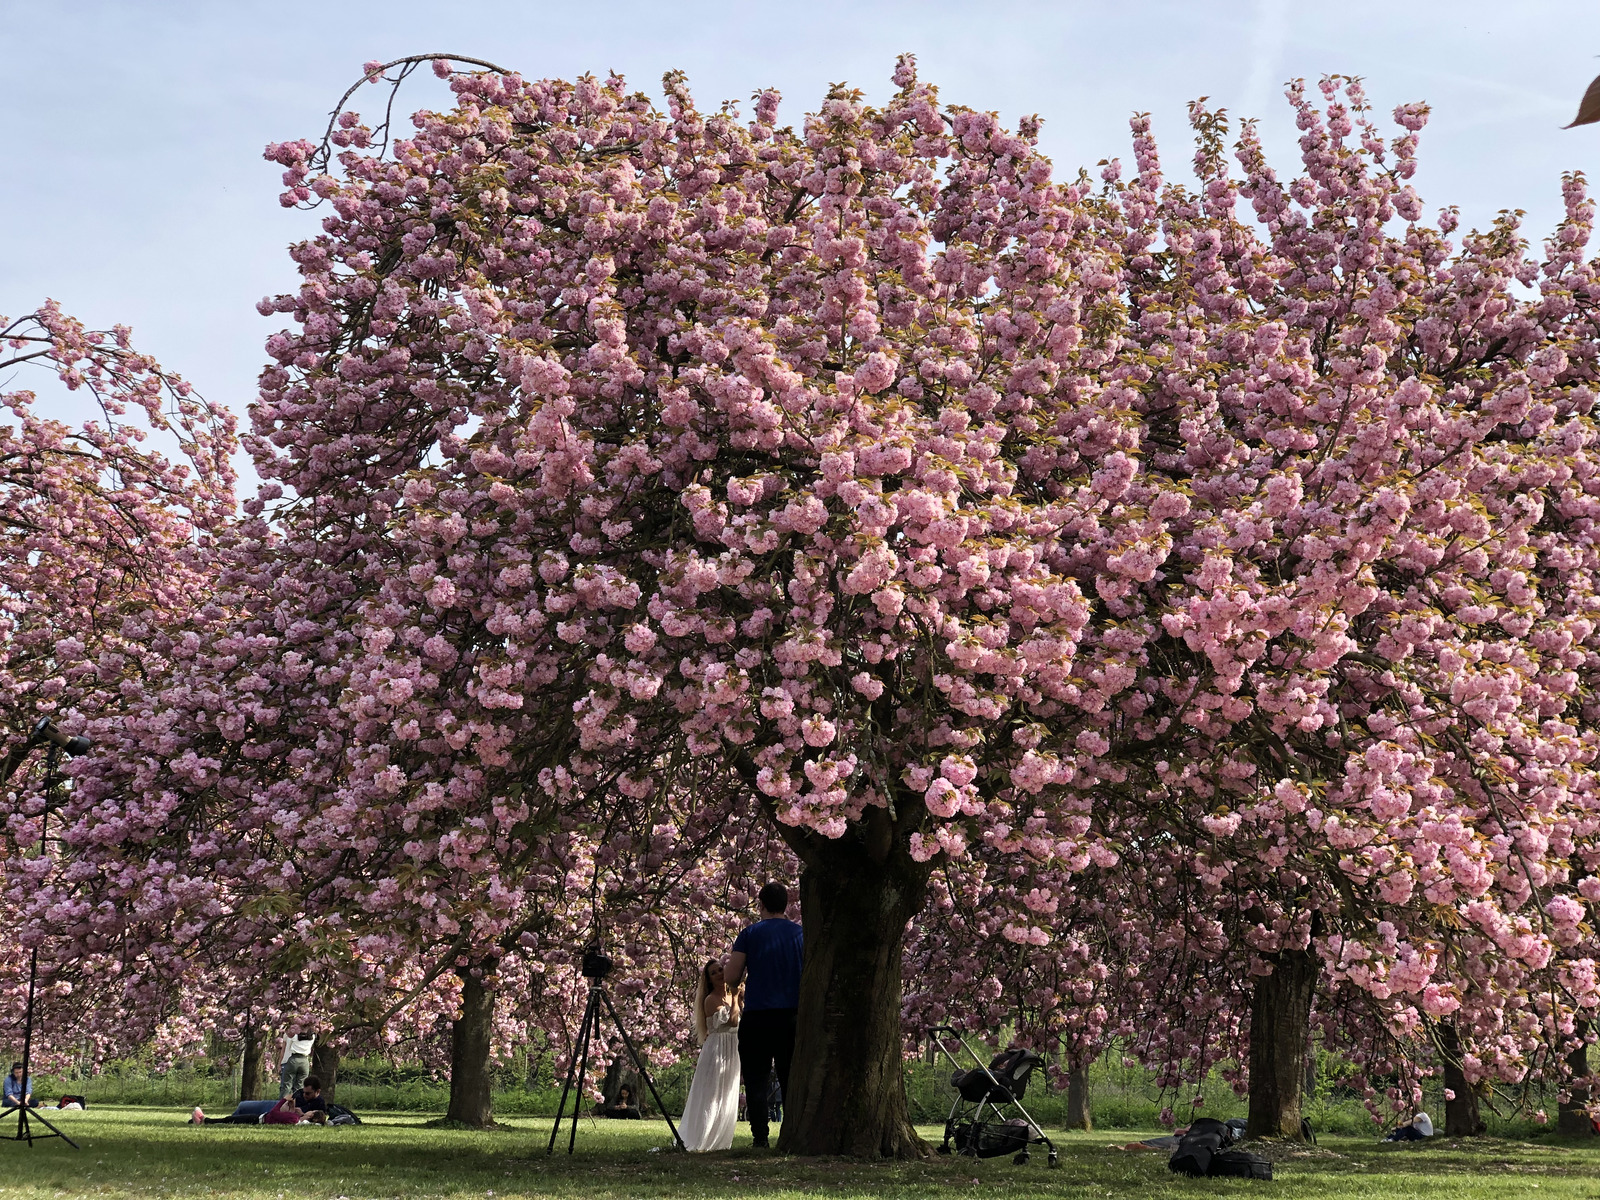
x=701 y=991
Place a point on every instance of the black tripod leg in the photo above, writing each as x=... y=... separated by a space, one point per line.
x=643 y=1070
x=561 y=1108
x=572 y=1071
x=45 y=1121
x=592 y=1023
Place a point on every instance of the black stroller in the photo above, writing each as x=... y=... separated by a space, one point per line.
x=992 y=1089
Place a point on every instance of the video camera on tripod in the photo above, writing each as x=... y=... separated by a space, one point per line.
x=595 y=965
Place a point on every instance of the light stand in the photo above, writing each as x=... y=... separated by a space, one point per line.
x=44 y=731
x=596 y=966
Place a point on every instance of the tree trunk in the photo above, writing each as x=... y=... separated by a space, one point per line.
x=250 y=1065
x=1309 y=1091
x=470 y=1101
x=1078 y=1114
x=1462 y=1117
x=1280 y=1017
x=1573 y=1116
x=325 y=1064
x=847 y=1091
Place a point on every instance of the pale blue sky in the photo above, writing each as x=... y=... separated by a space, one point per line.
x=133 y=187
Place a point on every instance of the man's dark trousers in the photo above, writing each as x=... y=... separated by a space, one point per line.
x=766 y=1043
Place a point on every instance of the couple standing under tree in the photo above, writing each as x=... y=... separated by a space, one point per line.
x=744 y=1014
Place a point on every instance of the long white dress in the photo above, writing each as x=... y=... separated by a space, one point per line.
x=712 y=1109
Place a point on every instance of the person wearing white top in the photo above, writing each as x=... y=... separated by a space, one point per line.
x=712 y=1108
x=296 y=1064
x=1414 y=1130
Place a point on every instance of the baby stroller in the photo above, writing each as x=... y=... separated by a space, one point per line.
x=978 y=1125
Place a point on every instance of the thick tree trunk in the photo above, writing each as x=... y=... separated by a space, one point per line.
x=250 y=1065
x=1280 y=1016
x=470 y=1101
x=325 y=1064
x=1078 y=1114
x=847 y=1090
x=1462 y=1117
x=1573 y=1116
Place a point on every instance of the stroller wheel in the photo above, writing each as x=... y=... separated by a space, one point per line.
x=1054 y=1160
x=945 y=1149
x=1021 y=1158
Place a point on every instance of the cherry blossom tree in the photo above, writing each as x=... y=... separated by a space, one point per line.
x=1358 y=732
x=755 y=448
x=107 y=525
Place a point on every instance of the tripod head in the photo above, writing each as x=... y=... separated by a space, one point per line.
x=597 y=963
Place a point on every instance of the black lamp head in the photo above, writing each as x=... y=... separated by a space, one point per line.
x=47 y=731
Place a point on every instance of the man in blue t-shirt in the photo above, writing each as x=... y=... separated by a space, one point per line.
x=767 y=955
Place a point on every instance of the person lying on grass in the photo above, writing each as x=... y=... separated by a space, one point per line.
x=285 y=1112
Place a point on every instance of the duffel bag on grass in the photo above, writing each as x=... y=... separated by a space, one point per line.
x=990 y=1139
x=1239 y=1164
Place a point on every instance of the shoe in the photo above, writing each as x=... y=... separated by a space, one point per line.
x=761 y=1143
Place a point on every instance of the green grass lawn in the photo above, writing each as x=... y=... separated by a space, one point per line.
x=152 y=1152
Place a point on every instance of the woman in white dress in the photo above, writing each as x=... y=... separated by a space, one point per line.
x=712 y=1108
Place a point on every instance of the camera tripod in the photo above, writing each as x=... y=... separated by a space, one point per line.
x=580 y=1059
x=26 y=1116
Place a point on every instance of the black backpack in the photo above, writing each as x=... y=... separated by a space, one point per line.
x=1196 y=1148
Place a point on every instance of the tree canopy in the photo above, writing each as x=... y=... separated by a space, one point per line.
x=1132 y=616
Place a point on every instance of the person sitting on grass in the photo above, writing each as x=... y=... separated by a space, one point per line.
x=310 y=1102
x=623 y=1107
x=1414 y=1130
x=19 y=1091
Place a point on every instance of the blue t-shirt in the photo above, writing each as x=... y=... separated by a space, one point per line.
x=772 y=952
x=16 y=1088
